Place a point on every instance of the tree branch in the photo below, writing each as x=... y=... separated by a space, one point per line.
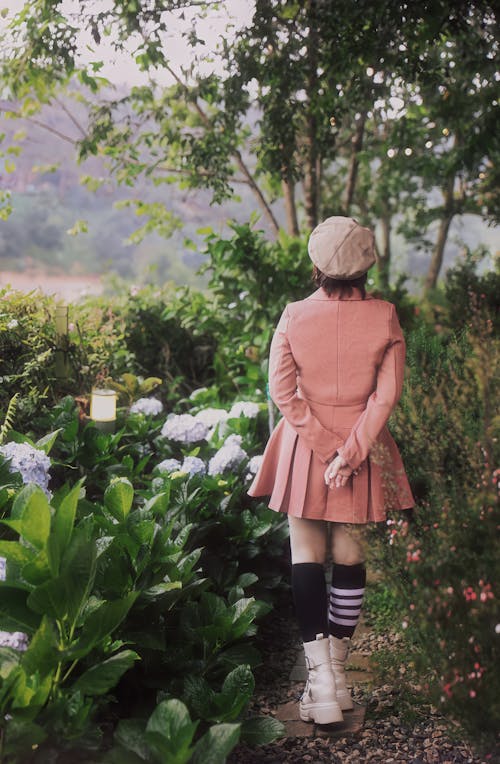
x=236 y=153
x=71 y=116
x=8 y=108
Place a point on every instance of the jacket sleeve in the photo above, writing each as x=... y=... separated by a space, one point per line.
x=382 y=401
x=283 y=391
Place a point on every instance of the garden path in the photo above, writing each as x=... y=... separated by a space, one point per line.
x=386 y=726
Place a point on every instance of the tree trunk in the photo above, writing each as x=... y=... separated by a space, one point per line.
x=288 y=189
x=311 y=168
x=357 y=145
x=444 y=227
x=384 y=251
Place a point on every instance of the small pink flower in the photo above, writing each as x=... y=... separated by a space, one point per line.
x=472 y=693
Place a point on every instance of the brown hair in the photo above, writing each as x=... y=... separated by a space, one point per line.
x=343 y=287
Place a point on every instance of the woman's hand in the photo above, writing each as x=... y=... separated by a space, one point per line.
x=337 y=473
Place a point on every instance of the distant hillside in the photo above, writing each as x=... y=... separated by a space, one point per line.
x=47 y=205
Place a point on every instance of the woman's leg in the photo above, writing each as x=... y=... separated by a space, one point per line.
x=346 y=596
x=308 y=544
x=348 y=581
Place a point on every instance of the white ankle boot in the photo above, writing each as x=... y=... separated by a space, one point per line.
x=339 y=650
x=319 y=701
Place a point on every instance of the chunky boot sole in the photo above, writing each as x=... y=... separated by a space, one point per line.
x=321 y=713
x=345 y=701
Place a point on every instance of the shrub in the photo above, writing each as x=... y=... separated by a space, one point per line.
x=444 y=566
x=469 y=292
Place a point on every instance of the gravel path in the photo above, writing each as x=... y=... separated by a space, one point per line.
x=387 y=735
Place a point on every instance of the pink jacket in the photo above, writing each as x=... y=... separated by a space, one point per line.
x=335 y=372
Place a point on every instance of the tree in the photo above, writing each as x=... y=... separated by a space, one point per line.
x=301 y=110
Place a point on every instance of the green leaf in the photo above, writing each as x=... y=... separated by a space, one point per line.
x=9 y=659
x=199 y=696
x=216 y=744
x=102 y=677
x=236 y=692
x=100 y=623
x=131 y=735
x=62 y=526
x=238 y=654
x=159 y=504
x=260 y=730
x=247 y=579
x=169 y=732
x=156 y=591
x=16 y=552
x=149 y=384
x=14 y=613
x=23 y=498
x=37 y=571
x=64 y=596
x=42 y=654
x=118 y=498
x=46 y=443
x=35 y=519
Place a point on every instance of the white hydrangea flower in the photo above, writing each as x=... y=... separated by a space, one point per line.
x=254 y=464
x=31 y=463
x=233 y=440
x=3 y=568
x=147 y=406
x=228 y=457
x=13 y=324
x=169 y=465
x=211 y=416
x=16 y=639
x=248 y=409
x=193 y=466
x=184 y=428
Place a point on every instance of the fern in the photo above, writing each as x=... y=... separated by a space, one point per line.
x=9 y=417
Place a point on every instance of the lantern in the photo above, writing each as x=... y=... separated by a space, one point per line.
x=103 y=409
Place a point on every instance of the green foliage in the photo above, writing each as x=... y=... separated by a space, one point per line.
x=250 y=281
x=443 y=566
x=383 y=607
x=9 y=417
x=85 y=576
x=130 y=388
x=168 y=739
x=470 y=293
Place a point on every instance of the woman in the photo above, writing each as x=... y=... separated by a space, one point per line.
x=335 y=372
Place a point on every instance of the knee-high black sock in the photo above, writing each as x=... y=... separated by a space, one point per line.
x=309 y=594
x=346 y=596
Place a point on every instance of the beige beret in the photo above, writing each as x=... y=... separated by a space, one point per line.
x=342 y=248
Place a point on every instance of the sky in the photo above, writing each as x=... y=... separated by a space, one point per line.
x=120 y=68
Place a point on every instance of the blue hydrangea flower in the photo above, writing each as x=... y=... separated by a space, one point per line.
x=31 y=463
x=194 y=466
x=3 y=570
x=16 y=639
x=184 y=428
x=228 y=457
x=147 y=407
x=169 y=465
x=248 y=409
x=211 y=416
